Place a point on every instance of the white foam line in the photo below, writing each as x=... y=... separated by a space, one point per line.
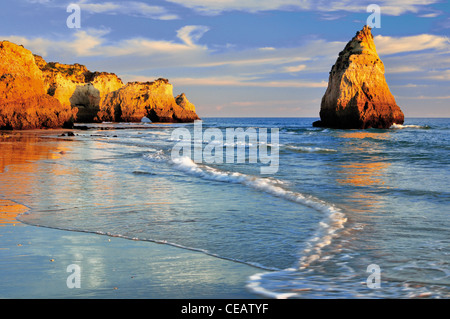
x=257 y=288
x=333 y=221
x=400 y=126
x=156 y=241
x=310 y=149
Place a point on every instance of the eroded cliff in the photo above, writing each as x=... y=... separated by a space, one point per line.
x=35 y=94
x=154 y=100
x=74 y=85
x=24 y=103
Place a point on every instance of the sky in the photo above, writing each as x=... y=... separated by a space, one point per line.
x=244 y=58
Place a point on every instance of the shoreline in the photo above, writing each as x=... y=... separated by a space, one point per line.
x=34 y=260
x=34 y=263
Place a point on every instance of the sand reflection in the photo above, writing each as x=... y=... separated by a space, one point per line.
x=21 y=148
x=19 y=173
x=8 y=212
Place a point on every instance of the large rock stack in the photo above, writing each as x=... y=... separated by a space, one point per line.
x=358 y=96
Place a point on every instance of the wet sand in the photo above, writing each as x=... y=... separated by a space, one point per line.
x=34 y=260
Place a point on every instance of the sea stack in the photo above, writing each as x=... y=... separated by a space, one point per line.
x=358 y=96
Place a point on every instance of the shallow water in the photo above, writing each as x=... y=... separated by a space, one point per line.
x=340 y=201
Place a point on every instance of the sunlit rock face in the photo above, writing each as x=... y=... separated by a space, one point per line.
x=75 y=86
x=358 y=96
x=24 y=102
x=39 y=94
x=153 y=100
x=182 y=101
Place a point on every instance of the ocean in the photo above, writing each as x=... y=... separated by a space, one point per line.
x=343 y=214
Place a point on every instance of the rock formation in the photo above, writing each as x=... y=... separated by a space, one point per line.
x=358 y=96
x=151 y=99
x=182 y=101
x=24 y=103
x=77 y=87
x=37 y=94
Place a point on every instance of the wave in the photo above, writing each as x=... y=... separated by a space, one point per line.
x=333 y=220
x=306 y=149
x=225 y=143
x=157 y=157
x=401 y=126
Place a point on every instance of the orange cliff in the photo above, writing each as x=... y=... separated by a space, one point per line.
x=358 y=96
x=24 y=103
x=37 y=94
x=77 y=87
x=154 y=100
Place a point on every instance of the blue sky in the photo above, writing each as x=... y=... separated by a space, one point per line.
x=244 y=57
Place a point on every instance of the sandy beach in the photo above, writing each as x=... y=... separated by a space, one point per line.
x=34 y=260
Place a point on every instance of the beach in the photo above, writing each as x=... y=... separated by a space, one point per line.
x=110 y=209
x=34 y=260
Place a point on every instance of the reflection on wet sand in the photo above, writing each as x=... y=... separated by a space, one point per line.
x=8 y=212
x=23 y=148
x=18 y=152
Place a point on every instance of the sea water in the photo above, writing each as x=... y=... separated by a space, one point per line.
x=340 y=201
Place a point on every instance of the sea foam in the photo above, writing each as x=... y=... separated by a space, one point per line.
x=333 y=218
x=400 y=126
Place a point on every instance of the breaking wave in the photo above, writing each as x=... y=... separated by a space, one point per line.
x=400 y=126
x=307 y=149
x=332 y=222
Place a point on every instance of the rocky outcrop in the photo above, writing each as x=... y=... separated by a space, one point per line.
x=357 y=95
x=37 y=94
x=154 y=100
x=24 y=103
x=182 y=101
x=75 y=86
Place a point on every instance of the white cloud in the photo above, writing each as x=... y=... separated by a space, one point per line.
x=92 y=42
x=404 y=69
x=209 y=7
x=440 y=75
x=294 y=69
x=430 y=15
x=388 y=7
x=391 y=45
x=267 y=49
x=190 y=34
x=423 y=97
x=84 y=43
x=131 y=8
x=247 y=82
